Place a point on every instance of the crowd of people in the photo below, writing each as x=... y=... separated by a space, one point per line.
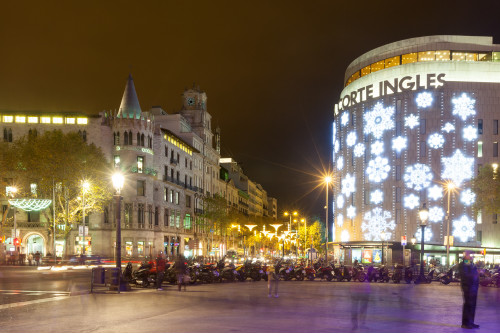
x=14 y=258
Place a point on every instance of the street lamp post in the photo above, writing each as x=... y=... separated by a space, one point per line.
x=449 y=187
x=382 y=237
x=424 y=214
x=85 y=185
x=118 y=181
x=328 y=179
x=294 y=213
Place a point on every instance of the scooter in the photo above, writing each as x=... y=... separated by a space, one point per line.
x=397 y=276
x=358 y=273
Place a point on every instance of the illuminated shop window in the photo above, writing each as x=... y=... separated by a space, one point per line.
x=45 y=120
x=140 y=164
x=377 y=66
x=484 y=57
x=140 y=248
x=495 y=56
x=20 y=119
x=409 y=58
x=81 y=120
x=57 y=120
x=8 y=119
x=479 y=149
x=117 y=161
x=70 y=120
x=390 y=62
x=365 y=71
x=32 y=119
x=427 y=56
x=443 y=55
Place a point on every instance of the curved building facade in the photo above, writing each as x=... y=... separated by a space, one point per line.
x=413 y=117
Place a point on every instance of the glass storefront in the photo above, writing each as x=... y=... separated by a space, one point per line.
x=140 y=248
x=129 y=248
x=79 y=245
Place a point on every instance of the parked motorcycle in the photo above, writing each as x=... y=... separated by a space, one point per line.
x=323 y=271
x=373 y=274
x=397 y=276
x=227 y=272
x=343 y=273
x=310 y=273
x=383 y=272
x=358 y=273
x=145 y=274
x=408 y=275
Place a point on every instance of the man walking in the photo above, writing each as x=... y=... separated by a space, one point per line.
x=180 y=269
x=160 y=270
x=469 y=282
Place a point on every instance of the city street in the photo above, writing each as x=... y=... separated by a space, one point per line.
x=235 y=307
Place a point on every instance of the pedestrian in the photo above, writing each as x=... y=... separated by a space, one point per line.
x=469 y=282
x=180 y=270
x=37 y=258
x=30 y=259
x=273 y=279
x=160 y=270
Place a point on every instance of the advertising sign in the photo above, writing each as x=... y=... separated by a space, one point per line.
x=367 y=256
x=356 y=255
x=403 y=240
x=377 y=256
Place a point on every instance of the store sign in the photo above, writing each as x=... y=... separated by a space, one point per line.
x=403 y=240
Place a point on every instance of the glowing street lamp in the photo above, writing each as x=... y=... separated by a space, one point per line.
x=118 y=181
x=294 y=213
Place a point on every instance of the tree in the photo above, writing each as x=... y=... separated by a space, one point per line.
x=59 y=161
x=314 y=231
x=486 y=186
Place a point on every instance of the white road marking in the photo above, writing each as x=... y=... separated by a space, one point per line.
x=37 y=301
x=40 y=291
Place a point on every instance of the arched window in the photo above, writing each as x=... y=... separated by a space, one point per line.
x=138 y=139
x=142 y=140
x=125 y=138
x=130 y=137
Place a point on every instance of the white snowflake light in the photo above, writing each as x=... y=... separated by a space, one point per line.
x=376 y=196
x=448 y=127
x=340 y=201
x=344 y=119
x=464 y=228
x=436 y=214
x=378 y=169
x=463 y=106
x=470 y=133
x=436 y=140
x=399 y=143
x=418 y=176
x=458 y=168
x=411 y=201
x=412 y=121
x=351 y=212
x=377 y=147
x=359 y=150
x=435 y=192
x=424 y=100
x=348 y=184
x=340 y=220
x=340 y=163
x=375 y=222
x=427 y=235
x=336 y=146
x=467 y=197
x=378 y=120
x=351 y=139
x=344 y=236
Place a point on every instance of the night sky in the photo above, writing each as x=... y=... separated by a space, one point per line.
x=272 y=70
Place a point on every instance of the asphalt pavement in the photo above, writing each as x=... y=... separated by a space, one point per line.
x=245 y=307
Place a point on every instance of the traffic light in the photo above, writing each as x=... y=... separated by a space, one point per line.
x=17 y=242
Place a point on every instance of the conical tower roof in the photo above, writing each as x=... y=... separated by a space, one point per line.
x=130 y=108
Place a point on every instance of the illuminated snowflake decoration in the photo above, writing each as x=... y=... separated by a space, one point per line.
x=377 y=147
x=412 y=121
x=411 y=201
x=436 y=214
x=344 y=236
x=424 y=100
x=464 y=228
x=427 y=235
x=340 y=201
x=467 y=197
x=435 y=192
x=351 y=212
x=458 y=168
x=379 y=120
x=340 y=163
x=359 y=150
x=418 y=176
x=348 y=184
x=470 y=133
x=378 y=169
x=448 y=127
x=344 y=119
x=399 y=143
x=463 y=106
x=336 y=146
x=351 y=139
x=375 y=222
x=340 y=220
x=436 y=140
x=376 y=196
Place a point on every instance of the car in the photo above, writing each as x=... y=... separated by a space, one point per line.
x=85 y=259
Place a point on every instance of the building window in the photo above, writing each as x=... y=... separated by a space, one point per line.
x=150 y=142
x=423 y=149
x=479 y=149
x=494 y=218
x=34 y=216
x=7 y=135
x=177 y=218
x=157 y=217
x=142 y=140
x=422 y=126
x=138 y=139
x=117 y=161
x=140 y=164
x=117 y=138
x=187 y=221
x=125 y=138
x=398 y=172
x=495 y=126
x=479 y=236
x=140 y=187
x=128 y=215
x=140 y=215
x=165 y=194
x=165 y=217
x=398 y=216
x=178 y=175
x=177 y=197
x=171 y=196
x=480 y=126
x=140 y=248
x=398 y=195
x=166 y=151
x=150 y=216
x=188 y=201
x=495 y=149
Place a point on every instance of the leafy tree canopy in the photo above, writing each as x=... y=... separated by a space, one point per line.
x=486 y=185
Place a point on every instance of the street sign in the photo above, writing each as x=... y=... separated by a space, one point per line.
x=403 y=240
x=80 y=230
